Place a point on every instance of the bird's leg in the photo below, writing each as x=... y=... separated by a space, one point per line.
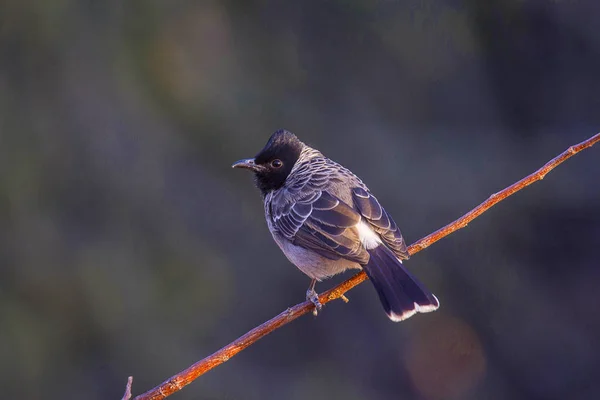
x=313 y=297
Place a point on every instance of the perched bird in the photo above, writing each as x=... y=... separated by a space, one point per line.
x=325 y=220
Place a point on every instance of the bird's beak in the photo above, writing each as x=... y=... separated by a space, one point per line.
x=247 y=163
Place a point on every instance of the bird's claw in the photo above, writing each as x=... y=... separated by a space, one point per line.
x=313 y=297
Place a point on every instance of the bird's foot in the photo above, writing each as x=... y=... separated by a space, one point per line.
x=344 y=298
x=313 y=297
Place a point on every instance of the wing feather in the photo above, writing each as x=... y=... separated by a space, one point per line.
x=310 y=212
x=320 y=221
x=380 y=221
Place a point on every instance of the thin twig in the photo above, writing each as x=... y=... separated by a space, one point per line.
x=127 y=394
x=185 y=377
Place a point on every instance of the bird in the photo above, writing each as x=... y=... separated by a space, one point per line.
x=326 y=221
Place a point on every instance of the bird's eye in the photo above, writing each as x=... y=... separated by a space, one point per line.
x=276 y=163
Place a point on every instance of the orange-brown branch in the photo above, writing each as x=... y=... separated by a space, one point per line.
x=185 y=377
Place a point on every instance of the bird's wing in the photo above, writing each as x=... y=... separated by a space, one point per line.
x=380 y=221
x=319 y=221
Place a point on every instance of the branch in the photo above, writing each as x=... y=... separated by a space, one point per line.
x=127 y=394
x=187 y=376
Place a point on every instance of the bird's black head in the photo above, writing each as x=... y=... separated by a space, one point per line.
x=275 y=161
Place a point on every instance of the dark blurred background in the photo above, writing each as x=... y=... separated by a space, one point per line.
x=128 y=246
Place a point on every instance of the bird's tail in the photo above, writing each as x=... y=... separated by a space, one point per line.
x=401 y=294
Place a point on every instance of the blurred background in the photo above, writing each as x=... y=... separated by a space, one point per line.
x=128 y=246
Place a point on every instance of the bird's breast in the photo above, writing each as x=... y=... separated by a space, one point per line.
x=310 y=263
